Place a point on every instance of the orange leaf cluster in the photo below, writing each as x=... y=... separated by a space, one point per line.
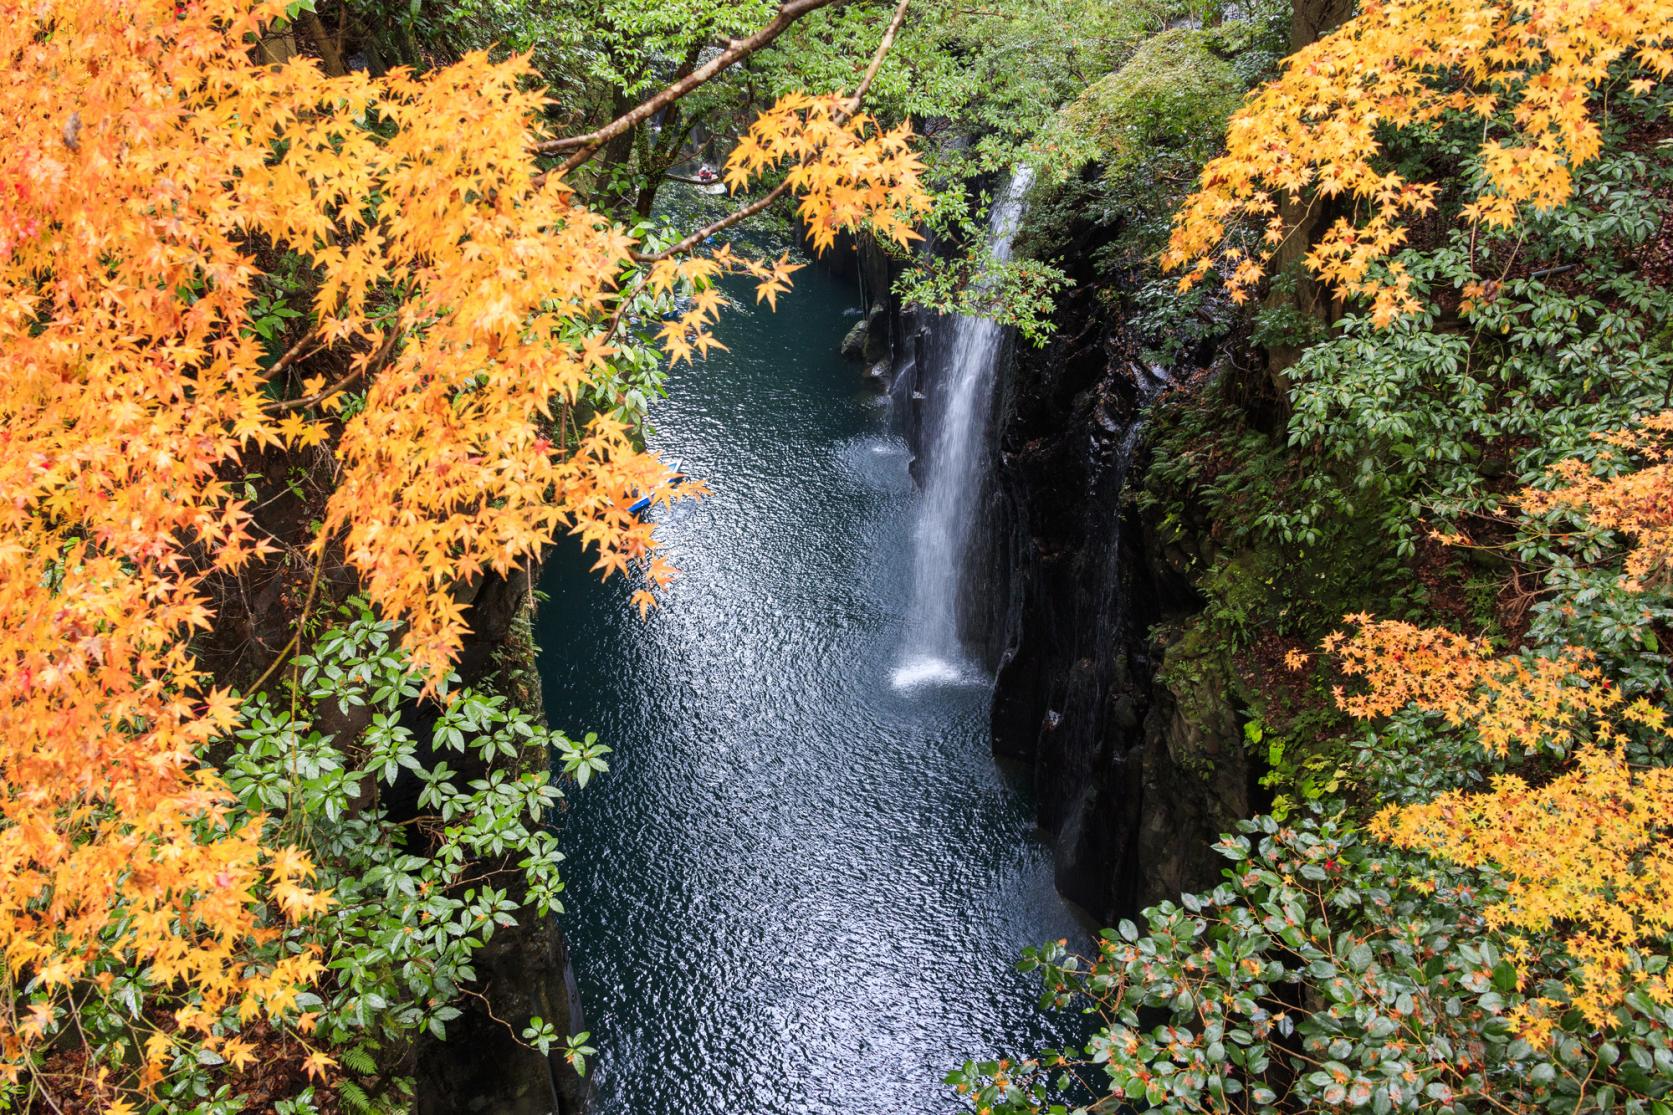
x=688 y=331
x=145 y=161
x=1316 y=132
x=1589 y=852
x=1586 y=853
x=129 y=383
x=846 y=170
x=1638 y=503
x=1521 y=702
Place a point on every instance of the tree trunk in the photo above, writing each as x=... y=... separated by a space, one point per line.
x=670 y=138
x=331 y=57
x=662 y=157
x=1310 y=20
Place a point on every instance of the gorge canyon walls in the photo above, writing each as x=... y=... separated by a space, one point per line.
x=1074 y=594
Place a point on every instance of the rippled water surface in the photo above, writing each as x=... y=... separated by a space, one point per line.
x=800 y=888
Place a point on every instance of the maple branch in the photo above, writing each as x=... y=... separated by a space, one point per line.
x=848 y=109
x=296 y=636
x=376 y=360
x=713 y=227
x=329 y=51
x=738 y=49
x=877 y=57
x=292 y=353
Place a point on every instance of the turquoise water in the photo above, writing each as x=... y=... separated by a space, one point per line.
x=799 y=889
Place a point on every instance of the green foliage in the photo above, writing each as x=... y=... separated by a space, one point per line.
x=412 y=904
x=1117 y=159
x=1326 y=972
x=1170 y=326
x=1433 y=424
x=428 y=844
x=1433 y=421
x=985 y=76
x=591 y=49
x=1214 y=473
x=1302 y=775
x=1016 y=292
x=1283 y=325
x=1291 y=728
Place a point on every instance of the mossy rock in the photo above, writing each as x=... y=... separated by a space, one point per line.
x=1196 y=670
x=1174 y=93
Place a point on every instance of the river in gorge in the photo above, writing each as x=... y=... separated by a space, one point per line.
x=799 y=889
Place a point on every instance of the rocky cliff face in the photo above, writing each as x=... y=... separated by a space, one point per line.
x=1134 y=779
x=1133 y=733
x=891 y=343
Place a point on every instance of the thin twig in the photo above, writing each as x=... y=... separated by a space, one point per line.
x=713 y=227
x=373 y=362
x=292 y=353
x=46 y=1094
x=307 y=606
x=878 y=55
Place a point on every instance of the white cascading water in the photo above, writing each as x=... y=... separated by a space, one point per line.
x=962 y=396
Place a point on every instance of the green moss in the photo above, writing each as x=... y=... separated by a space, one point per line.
x=515 y=675
x=1196 y=670
x=1174 y=94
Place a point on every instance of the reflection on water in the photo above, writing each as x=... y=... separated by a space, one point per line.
x=799 y=888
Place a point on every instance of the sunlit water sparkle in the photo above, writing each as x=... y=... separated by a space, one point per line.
x=801 y=888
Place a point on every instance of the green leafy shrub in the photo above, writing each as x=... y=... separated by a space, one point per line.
x=1327 y=973
x=427 y=844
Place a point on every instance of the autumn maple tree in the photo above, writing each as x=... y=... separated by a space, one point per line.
x=1524 y=73
x=463 y=300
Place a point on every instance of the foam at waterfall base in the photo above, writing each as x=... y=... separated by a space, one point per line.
x=928 y=669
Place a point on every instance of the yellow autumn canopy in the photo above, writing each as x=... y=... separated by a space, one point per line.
x=1316 y=134
x=146 y=162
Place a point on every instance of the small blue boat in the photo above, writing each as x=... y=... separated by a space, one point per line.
x=643 y=503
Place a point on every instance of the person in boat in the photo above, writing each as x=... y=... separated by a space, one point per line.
x=705 y=173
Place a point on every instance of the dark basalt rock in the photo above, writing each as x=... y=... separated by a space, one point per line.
x=870 y=341
x=523 y=972
x=1133 y=781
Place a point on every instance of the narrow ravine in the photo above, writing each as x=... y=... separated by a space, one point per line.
x=799 y=889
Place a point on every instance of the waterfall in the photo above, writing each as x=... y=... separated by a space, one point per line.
x=962 y=378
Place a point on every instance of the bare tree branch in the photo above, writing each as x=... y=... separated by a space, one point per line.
x=713 y=227
x=849 y=108
x=878 y=56
x=586 y=146
x=374 y=363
